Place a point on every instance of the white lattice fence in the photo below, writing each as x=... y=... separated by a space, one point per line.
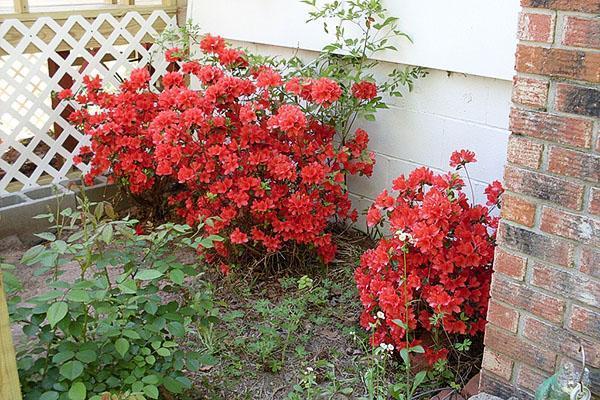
x=37 y=143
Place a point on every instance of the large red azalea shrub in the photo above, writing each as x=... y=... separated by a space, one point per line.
x=262 y=144
x=432 y=273
x=245 y=149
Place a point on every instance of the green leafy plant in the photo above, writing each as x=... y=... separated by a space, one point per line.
x=281 y=326
x=120 y=328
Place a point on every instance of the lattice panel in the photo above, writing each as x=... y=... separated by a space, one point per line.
x=37 y=143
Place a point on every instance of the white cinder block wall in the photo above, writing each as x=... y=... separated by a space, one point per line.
x=464 y=102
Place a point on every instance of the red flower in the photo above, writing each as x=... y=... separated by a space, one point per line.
x=231 y=151
x=65 y=94
x=313 y=173
x=268 y=78
x=462 y=157
x=185 y=174
x=364 y=90
x=373 y=217
x=238 y=237
x=139 y=229
x=225 y=268
x=433 y=272
x=212 y=44
x=289 y=119
x=325 y=91
x=173 y=54
x=493 y=191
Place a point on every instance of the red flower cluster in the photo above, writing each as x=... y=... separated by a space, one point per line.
x=434 y=271
x=267 y=173
x=364 y=90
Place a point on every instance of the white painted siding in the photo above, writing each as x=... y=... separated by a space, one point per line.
x=476 y=37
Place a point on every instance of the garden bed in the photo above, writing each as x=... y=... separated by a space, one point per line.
x=286 y=334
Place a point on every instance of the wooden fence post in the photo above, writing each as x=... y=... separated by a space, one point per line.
x=9 y=377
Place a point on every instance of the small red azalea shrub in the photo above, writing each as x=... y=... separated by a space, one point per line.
x=246 y=149
x=433 y=272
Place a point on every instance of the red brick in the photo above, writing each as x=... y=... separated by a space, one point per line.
x=585 y=321
x=497 y=363
x=544 y=187
x=571 y=226
x=594 y=202
x=545 y=247
x=518 y=349
x=536 y=27
x=582 y=32
x=590 y=262
x=574 y=163
x=590 y=6
x=580 y=100
x=491 y=383
x=524 y=152
x=518 y=209
x=567 y=283
x=530 y=92
x=530 y=378
x=502 y=316
x=527 y=298
x=561 y=341
x=561 y=63
x=566 y=130
x=509 y=264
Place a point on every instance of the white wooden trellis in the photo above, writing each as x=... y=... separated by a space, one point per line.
x=26 y=113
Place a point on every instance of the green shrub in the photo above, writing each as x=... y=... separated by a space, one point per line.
x=121 y=326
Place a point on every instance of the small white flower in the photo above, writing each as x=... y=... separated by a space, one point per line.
x=404 y=237
x=380 y=315
x=390 y=347
x=383 y=346
x=309 y=369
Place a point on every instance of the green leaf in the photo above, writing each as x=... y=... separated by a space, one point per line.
x=78 y=296
x=148 y=274
x=49 y=395
x=77 y=391
x=130 y=333
x=163 y=352
x=128 y=287
x=417 y=349
x=151 y=391
x=46 y=236
x=176 y=329
x=151 y=379
x=122 y=345
x=419 y=378
x=57 y=312
x=107 y=233
x=62 y=356
x=400 y=323
x=31 y=255
x=172 y=385
x=405 y=357
x=177 y=276
x=86 y=356
x=71 y=370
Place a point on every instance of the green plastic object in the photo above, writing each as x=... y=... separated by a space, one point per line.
x=566 y=384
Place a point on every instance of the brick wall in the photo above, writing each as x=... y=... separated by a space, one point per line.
x=546 y=285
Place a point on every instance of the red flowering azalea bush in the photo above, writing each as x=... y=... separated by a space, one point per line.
x=246 y=149
x=433 y=272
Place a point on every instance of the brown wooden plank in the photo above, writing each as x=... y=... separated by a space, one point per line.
x=9 y=376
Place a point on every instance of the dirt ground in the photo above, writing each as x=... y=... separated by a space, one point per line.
x=261 y=355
